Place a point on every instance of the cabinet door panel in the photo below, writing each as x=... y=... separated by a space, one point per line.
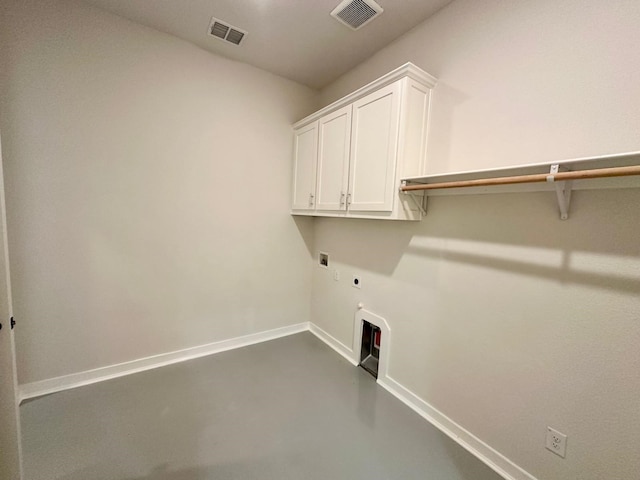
x=334 y=139
x=305 y=162
x=374 y=146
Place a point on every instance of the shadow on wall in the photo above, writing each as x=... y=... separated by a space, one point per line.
x=373 y=245
x=305 y=227
x=562 y=273
x=603 y=221
x=519 y=233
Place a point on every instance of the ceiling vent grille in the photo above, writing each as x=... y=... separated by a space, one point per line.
x=356 y=13
x=226 y=32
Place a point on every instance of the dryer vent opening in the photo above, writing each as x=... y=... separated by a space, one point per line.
x=370 y=349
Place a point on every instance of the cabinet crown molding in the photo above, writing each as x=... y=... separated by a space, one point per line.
x=406 y=70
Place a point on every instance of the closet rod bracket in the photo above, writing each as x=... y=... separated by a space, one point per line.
x=420 y=202
x=563 y=191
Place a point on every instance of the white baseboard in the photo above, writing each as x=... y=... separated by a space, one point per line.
x=334 y=343
x=66 y=382
x=495 y=460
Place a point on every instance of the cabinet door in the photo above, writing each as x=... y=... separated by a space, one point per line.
x=374 y=145
x=334 y=136
x=305 y=154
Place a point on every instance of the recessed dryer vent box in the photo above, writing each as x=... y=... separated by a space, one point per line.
x=370 y=350
x=323 y=259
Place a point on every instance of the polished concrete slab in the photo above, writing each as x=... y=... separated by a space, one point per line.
x=289 y=409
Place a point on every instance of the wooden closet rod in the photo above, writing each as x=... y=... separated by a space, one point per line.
x=535 y=178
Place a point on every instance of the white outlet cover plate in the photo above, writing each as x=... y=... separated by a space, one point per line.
x=556 y=442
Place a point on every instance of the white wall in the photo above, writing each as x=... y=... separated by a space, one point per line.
x=503 y=317
x=522 y=82
x=129 y=234
x=147 y=186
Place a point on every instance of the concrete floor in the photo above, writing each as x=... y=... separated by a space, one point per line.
x=286 y=409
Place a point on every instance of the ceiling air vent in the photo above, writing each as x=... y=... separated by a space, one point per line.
x=356 y=13
x=226 y=32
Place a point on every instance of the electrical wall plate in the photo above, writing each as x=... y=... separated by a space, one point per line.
x=356 y=282
x=556 y=442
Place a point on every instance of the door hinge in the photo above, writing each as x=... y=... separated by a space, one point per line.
x=13 y=323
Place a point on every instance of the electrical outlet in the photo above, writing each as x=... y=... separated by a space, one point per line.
x=356 y=282
x=336 y=275
x=556 y=442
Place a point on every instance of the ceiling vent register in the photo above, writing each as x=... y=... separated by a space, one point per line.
x=226 y=32
x=356 y=13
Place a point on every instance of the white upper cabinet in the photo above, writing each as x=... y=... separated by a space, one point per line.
x=305 y=153
x=374 y=145
x=351 y=155
x=334 y=139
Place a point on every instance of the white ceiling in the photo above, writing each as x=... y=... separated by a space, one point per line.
x=296 y=39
